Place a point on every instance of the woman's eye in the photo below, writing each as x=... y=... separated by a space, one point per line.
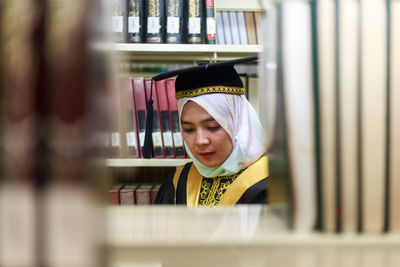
x=188 y=130
x=213 y=128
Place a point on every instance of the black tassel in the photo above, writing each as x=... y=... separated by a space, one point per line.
x=148 y=140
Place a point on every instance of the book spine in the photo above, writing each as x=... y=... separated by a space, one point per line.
x=250 y=26
x=115 y=136
x=119 y=20
x=234 y=27
x=176 y=132
x=227 y=27
x=195 y=23
x=220 y=29
x=130 y=126
x=114 y=194
x=155 y=16
x=153 y=193
x=175 y=21
x=142 y=194
x=242 y=28
x=127 y=194
x=140 y=109
x=135 y=21
x=211 y=23
x=165 y=119
x=156 y=134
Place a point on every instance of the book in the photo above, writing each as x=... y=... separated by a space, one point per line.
x=211 y=23
x=136 y=23
x=220 y=29
x=348 y=97
x=227 y=27
x=142 y=194
x=394 y=123
x=127 y=194
x=242 y=28
x=234 y=27
x=173 y=110
x=129 y=124
x=153 y=192
x=195 y=22
x=158 y=150
x=258 y=15
x=250 y=27
x=176 y=21
x=114 y=194
x=119 y=20
x=327 y=110
x=162 y=100
x=373 y=115
x=115 y=142
x=139 y=94
x=299 y=110
x=155 y=21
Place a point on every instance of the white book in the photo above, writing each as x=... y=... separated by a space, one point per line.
x=348 y=84
x=220 y=29
x=242 y=28
x=298 y=95
x=327 y=110
x=234 y=27
x=373 y=113
x=227 y=27
x=394 y=170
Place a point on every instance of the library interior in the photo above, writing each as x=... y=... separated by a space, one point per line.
x=168 y=133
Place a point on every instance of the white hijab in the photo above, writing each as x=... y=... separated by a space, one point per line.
x=239 y=119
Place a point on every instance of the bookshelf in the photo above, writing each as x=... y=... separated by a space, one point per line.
x=177 y=52
x=126 y=162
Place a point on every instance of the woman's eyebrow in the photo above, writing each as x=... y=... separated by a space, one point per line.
x=206 y=120
x=186 y=122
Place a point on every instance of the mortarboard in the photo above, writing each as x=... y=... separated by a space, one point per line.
x=201 y=79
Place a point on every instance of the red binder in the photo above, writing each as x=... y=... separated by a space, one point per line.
x=139 y=95
x=173 y=108
x=129 y=135
x=165 y=118
x=158 y=150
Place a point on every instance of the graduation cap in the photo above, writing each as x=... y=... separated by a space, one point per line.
x=202 y=79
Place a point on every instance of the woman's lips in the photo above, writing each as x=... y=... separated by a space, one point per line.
x=206 y=155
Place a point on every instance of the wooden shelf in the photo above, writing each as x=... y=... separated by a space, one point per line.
x=248 y=5
x=178 y=52
x=126 y=162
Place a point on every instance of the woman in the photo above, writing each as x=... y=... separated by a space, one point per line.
x=224 y=138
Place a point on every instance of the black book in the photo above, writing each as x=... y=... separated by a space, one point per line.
x=196 y=22
x=155 y=21
x=119 y=22
x=176 y=21
x=135 y=21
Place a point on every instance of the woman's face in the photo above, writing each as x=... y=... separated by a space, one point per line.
x=207 y=140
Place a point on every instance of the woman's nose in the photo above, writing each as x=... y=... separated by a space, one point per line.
x=202 y=138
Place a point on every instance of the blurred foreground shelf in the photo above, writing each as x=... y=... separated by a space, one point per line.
x=234 y=236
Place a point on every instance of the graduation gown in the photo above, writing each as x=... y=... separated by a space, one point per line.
x=183 y=187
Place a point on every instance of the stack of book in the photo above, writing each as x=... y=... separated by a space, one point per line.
x=163 y=21
x=239 y=27
x=133 y=193
x=126 y=139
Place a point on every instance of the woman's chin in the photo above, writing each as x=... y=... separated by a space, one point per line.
x=209 y=163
